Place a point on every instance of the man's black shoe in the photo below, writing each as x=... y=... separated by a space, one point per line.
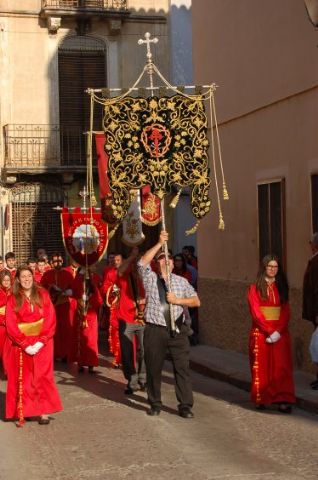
x=186 y=412
x=130 y=391
x=143 y=387
x=152 y=412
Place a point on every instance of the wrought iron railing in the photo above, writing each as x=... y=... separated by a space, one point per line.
x=85 y=4
x=38 y=146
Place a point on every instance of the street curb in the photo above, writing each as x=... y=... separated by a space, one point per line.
x=217 y=375
x=303 y=403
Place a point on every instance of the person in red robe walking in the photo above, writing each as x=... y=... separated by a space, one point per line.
x=111 y=291
x=72 y=268
x=5 y=291
x=89 y=299
x=269 y=345
x=59 y=283
x=40 y=269
x=30 y=323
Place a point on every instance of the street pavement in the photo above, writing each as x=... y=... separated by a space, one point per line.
x=103 y=434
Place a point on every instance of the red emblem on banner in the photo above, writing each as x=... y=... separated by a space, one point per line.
x=156 y=139
x=150 y=207
x=85 y=235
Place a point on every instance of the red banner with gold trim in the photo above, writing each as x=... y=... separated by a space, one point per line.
x=104 y=189
x=85 y=235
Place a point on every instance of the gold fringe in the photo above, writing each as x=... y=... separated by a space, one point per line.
x=21 y=421
x=193 y=229
x=175 y=200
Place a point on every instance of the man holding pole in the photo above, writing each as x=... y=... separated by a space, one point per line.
x=166 y=295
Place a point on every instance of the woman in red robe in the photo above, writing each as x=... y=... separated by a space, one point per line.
x=85 y=340
x=269 y=345
x=5 y=291
x=30 y=323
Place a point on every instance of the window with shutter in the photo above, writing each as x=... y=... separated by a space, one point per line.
x=271 y=219
x=82 y=65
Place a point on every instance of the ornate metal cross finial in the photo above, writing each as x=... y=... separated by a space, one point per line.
x=148 y=41
x=84 y=194
x=150 y=70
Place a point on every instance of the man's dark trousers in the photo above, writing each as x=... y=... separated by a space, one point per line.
x=127 y=332
x=157 y=341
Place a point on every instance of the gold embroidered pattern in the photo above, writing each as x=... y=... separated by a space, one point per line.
x=161 y=142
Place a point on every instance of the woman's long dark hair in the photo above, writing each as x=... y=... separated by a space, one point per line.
x=35 y=297
x=280 y=279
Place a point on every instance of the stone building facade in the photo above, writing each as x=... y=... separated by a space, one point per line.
x=50 y=52
x=263 y=57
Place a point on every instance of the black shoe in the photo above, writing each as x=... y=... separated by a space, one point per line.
x=143 y=387
x=153 y=412
x=186 y=412
x=130 y=391
x=260 y=406
x=80 y=369
x=285 y=408
x=91 y=370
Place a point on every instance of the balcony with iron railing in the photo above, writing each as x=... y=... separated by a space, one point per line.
x=54 y=11
x=40 y=148
x=85 y=5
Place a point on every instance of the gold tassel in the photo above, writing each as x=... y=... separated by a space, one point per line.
x=175 y=200
x=113 y=231
x=93 y=201
x=193 y=229
x=225 y=192
x=221 y=222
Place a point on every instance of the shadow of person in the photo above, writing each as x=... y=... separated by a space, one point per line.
x=100 y=384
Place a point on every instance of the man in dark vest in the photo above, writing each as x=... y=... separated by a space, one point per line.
x=310 y=291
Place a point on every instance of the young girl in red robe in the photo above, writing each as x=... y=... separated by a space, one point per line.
x=30 y=323
x=269 y=346
x=5 y=291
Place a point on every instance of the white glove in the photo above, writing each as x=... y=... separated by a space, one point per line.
x=273 y=338
x=30 y=350
x=68 y=292
x=37 y=346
